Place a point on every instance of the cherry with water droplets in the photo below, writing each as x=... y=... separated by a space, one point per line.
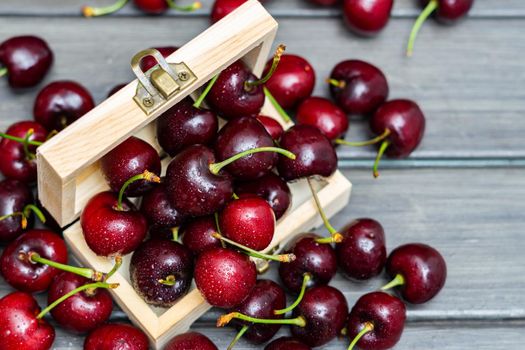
x=272 y=126
x=324 y=115
x=149 y=62
x=158 y=210
x=367 y=17
x=116 y=336
x=14 y=197
x=197 y=234
x=287 y=343
x=190 y=340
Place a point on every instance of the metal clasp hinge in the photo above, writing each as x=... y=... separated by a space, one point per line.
x=160 y=83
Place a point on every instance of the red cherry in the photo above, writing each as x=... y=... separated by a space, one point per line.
x=159 y=212
x=222 y=8
x=190 y=340
x=367 y=17
x=197 y=234
x=152 y=7
x=324 y=115
x=272 y=126
x=287 y=343
x=116 y=336
x=149 y=62
x=14 y=196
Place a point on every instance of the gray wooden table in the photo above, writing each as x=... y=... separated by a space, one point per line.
x=462 y=191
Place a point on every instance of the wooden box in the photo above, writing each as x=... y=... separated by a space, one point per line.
x=69 y=173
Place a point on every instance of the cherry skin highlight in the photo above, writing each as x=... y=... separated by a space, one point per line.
x=367 y=17
x=324 y=115
x=116 y=336
x=272 y=126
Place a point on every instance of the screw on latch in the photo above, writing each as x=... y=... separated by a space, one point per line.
x=183 y=75
x=147 y=102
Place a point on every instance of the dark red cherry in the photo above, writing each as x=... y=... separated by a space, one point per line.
x=116 y=336
x=242 y=134
x=158 y=210
x=292 y=81
x=324 y=309
x=116 y=89
x=184 y=125
x=27 y=59
x=224 y=277
x=25 y=275
x=317 y=259
x=149 y=62
x=14 y=162
x=152 y=7
x=197 y=234
x=222 y=8
x=272 y=126
x=419 y=269
x=358 y=87
x=191 y=186
x=60 y=103
x=314 y=153
x=132 y=157
x=287 y=343
x=324 y=115
x=14 y=196
x=82 y=311
x=229 y=96
x=367 y=17
x=377 y=321
x=190 y=340
x=110 y=231
x=249 y=221
x=161 y=271
x=406 y=123
x=19 y=326
x=271 y=188
x=362 y=253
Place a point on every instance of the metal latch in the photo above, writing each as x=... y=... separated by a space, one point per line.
x=160 y=83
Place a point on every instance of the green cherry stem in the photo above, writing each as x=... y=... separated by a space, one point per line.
x=235 y=196
x=29 y=155
x=89 y=11
x=3 y=71
x=253 y=253
x=399 y=280
x=380 y=153
x=116 y=266
x=20 y=139
x=85 y=272
x=373 y=141
x=368 y=327
x=146 y=175
x=276 y=105
x=168 y=281
x=238 y=336
x=23 y=218
x=306 y=278
x=225 y=319
x=175 y=234
x=337 y=83
x=90 y=286
x=248 y=85
x=203 y=95
x=24 y=215
x=431 y=7
x=335 y=237
x=215 y=168
x=189 y=8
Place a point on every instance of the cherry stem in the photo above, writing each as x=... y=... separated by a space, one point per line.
x=20 y=139
x=189 y=8
x=373 y=141
x=380 y=153
x=215 y=168
x=175 y=234
x=118 y=263
x=85 y=272
x=276 y=105
x=146 y=175
x=33 y=208
x=23 y=218
x=51 y=134
x=89 y=11
x=203 y=95
x=29 y=155
x=336 y=237
x=3 y=71
x=337 y=83
x=168 y=281
x=306 y=278
x=399 y=280
x=235 y=196
x=249 y=85
x=225 y=319
x=75 y=291
x=431 y=7
x=368 y=327
x=238 y=336
x=216 y=216
x=285 y=258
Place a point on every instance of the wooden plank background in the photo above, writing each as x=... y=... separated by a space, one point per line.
x=462 y=191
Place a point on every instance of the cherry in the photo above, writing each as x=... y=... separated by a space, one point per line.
x=60 y=103
x=130 y=158
x=222 y=8
x=272 y=126
x=292 y=82
x=376 y=321
x=112 y=227
x=116 y=336
x=224 y=277
x=324 y=115
x=150 y=7
x=419 y=269
x=190 y=340
x=184 y=125
x=317 y=259
x=197 y=234
x=23 y=273
x=14 y=197
x=149 y=62
x=242 y=134
x=25 y=60
x=403 y=124
x=362 y=253
x=80 y=312
x=367 y=17
x=19 y=326
x=271 y=188
x=161 y=271
x=158 y=210
x=17 y=158
x=314 y=153
x=287 y=343
x=358 y=87
x=446 y=11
